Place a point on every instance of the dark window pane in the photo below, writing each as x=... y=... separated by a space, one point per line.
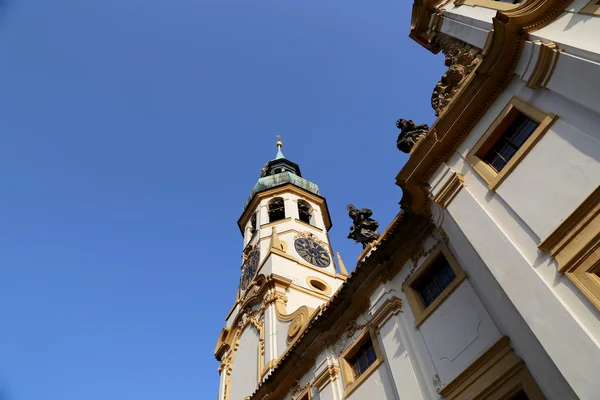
x=433 y=282
x=520 y=396
x=510 y=142
x=363 y=359
x=276 y=210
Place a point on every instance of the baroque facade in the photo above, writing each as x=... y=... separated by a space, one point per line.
x=487 y=283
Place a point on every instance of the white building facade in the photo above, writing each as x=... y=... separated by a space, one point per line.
x=487 y=283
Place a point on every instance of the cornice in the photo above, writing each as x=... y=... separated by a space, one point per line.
x=349 y=302
x=500 y=57
x=288 y=187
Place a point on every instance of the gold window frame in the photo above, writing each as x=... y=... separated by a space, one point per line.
x=575 y=245
x=495 y=131
x=495 y=5
x=593 y=8
x=420 y=312
x=351 y=383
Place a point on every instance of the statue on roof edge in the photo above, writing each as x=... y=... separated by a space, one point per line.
x=364 y=229
x=410 y=134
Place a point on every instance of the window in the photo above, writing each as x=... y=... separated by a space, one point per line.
x=360 y=359
x=432 y=283
x=253 y=224
x=318 y=285
x=276 y=209
x=575 y=245
x=521 y=395
x=304 y=211
x=363 y=359
x=593 y=7
x=508 y=140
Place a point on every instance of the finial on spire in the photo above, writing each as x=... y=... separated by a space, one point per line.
x=279 y=145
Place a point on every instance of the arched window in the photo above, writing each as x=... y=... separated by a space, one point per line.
x=276 y=209
x=253 y=224
x=304 y=211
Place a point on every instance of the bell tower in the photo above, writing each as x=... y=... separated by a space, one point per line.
x=287 y=273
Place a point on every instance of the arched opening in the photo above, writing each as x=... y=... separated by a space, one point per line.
x=304 y=211
x=276 y=209
x=253 y=224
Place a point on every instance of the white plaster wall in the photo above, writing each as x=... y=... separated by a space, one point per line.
x=469 y=24
x=458 y=333
x=505 y=315
x=561 y=170
x=376 y=386
x=577 y=31
x=397 y=361
x=568 y=344
x=244 y=373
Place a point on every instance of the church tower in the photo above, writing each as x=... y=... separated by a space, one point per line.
x=287 y=273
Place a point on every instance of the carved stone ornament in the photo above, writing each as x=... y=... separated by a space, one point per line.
x=410 y=134
x=364 y=229
x=461 y=60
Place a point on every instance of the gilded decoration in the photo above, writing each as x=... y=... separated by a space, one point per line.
x=461 y=60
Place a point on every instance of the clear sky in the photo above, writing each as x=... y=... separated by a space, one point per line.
x=132 y=134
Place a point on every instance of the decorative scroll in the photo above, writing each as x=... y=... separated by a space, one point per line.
x=461 y=60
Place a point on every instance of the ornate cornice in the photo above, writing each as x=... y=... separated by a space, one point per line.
x=500 y=57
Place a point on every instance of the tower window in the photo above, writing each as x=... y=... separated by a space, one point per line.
x=276 y=209
x=304 y=211
x=253 y=224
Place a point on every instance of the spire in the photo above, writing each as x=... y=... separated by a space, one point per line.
x=279 y=145
x=343 y=269
x=275 y=242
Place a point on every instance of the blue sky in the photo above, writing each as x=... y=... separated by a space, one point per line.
x=133 y=132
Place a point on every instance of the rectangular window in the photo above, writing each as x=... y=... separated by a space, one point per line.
x=363 y=359
x=508 y=140
x=360 y=359
x=432 y=283
x=438 y=277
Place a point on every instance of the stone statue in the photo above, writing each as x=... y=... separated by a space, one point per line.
x=410 y=133
x=364 y=230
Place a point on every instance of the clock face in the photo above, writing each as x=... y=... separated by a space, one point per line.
x=249 y=269
x=312 y=252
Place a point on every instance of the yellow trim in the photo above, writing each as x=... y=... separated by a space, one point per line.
x=343 y=270
x=495 y=5
x=287 y=188
x=279 y=221
x=318 y=295
x=544 y=66
x=328 y=375
x=450 y=190
x=493 y=178
x=415 y=302
x=497 y=374
x=575 y=245
x=306 y=394
x=311 y=279
x=351 y=383
x=593 y=8
x=292 y=258
x=308 y=225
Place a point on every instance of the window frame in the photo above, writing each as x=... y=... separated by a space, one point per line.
x=350 y=382
x=420 y=311
x=272 y=203
x=575 y=245
x=592 y=8
x=495 y=5
x=493 y=178
x=304 y=203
